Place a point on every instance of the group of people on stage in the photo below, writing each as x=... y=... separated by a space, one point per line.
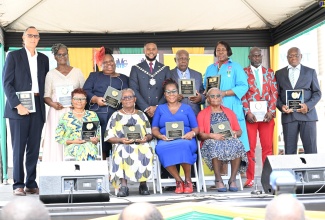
x=149 y=100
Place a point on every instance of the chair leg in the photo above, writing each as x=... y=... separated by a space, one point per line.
x=197 y=178
x=158 y=175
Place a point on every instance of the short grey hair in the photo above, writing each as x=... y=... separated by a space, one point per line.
x=128 y=90
x=56 y=47
x=214 y=88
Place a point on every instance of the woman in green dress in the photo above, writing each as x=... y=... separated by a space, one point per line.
x=69 y=129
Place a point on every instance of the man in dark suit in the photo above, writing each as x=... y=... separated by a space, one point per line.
x=183 y=72
x=293 y=77
x=146 y=80
x=25 y=70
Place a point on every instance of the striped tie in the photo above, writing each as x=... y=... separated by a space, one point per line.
x=150 y=64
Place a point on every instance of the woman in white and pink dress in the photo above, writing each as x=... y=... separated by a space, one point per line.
x=59 y=84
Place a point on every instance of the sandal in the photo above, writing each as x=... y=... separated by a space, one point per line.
x=223 y=189
x=123 y=191
x=232 y=189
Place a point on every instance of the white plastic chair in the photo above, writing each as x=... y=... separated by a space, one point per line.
x=210 y=180
x=171 y=182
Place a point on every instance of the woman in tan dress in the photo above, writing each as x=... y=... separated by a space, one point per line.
x=59 y=81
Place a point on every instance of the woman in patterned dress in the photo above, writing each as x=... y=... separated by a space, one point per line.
x=69 y=130
x=218 y=149
x=131 y=158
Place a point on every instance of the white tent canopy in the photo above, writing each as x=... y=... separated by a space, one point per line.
x=128 y=16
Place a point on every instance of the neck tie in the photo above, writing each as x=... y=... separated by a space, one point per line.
x=150 y=64
x=257 y=81
x=184 y=75
x=292 y=77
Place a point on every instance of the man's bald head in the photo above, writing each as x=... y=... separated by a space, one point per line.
x=25 y=208
x=141 y=211
x=285 y=207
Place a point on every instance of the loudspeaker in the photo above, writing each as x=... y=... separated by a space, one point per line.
x=308 y=170
x=73 y=181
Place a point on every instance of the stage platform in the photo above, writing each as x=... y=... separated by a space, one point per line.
x=168 y=202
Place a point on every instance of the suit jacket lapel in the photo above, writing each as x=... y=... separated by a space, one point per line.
x=24 y=58
x=287 y=79
x=301 y=76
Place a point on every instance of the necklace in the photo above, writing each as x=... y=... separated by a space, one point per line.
x=127 y=113
x=79 y=113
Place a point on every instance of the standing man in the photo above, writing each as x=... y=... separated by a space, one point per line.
x=262 y=87
x=183 y=72
x=303 y=120
x=146 y=80
x=25 y=70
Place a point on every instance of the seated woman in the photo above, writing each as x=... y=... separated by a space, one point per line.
x=180 y=151
x=216 y=148
x=131 y=159
x=69 y=129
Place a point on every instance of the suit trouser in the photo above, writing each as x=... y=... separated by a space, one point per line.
x=26 y=136
x=308 y=135
x=265 y=130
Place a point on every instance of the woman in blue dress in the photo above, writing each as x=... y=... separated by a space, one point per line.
x=179 y=151
x=96 y=86
x=233 y=85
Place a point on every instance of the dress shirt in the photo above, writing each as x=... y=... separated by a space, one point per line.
x=296 y=73
x=32 y=60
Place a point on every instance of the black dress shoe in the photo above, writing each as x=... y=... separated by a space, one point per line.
x=123 y=191
x=143 y=190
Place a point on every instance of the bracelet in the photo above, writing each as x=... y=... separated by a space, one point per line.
x=226 y=93
x=194 y=134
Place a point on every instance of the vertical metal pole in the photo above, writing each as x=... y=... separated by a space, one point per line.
x=3 y=128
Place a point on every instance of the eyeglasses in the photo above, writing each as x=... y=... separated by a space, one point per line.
x=168 y=93
x=61 y=55
x=183 y=59
x=294 y=55
x=79 y=99
x=33 y=35
x=215 y=96
x=128 y=97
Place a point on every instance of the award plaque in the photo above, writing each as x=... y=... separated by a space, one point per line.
x=27 y=99
x=259 y=109
x=174 y=130
x=294 y=98
x=132 y=132
x=89 y=129
x=63 y=95
x=223 y=128
x=112 y=97
x=213 y=82
x=187 y=87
